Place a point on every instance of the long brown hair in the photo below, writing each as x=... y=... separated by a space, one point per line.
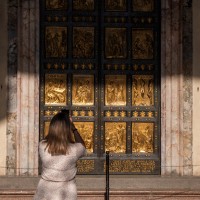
x=59 y=135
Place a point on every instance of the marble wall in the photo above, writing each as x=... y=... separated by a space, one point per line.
x=23 y=87
x=3 y=85
x=176 y=88
x=196 y=88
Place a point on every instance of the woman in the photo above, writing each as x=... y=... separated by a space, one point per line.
x=59 y=154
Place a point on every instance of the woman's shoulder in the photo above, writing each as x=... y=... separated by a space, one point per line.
x=80 y=150
x=42 y=143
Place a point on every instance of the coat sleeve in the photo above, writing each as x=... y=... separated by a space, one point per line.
x=80 y=150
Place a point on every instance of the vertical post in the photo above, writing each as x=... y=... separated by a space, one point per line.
x=107 y=175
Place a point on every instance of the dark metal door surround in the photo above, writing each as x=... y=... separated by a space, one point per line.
x=101 y=60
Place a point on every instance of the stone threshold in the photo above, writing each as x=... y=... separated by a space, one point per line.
x=97 y=183
x=4 y=194
x=112 y=193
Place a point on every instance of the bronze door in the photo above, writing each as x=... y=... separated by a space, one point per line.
x=101 y=60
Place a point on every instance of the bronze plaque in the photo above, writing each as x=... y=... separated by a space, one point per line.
x=143 y=5
x=85 y=166
x=115 y=43
x=115 y=5
x=86 y=130
x=142 y=137
x=143 y=90
x=56 y=4
x=56 y=42
x=55 y=89
x=134 y=166
x=83 y=90
x=115 y=90
x=115 y=137
x=83 y=4
x=142 y=44
x=83 y=42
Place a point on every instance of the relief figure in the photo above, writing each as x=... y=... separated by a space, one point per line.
x=143 y=5
x=142 y=90
x=56 y=4
x=142 y=44
x=55 y=90
x=56 y=42
x=115 y=46
x=110 y=92
x=83 y=91
x=115 y=90
x=135 y=91
x=150 y=91
x=142 y=137
x=83 y=4
x=86 y=129
x=115 y=137
x=83 y=42
x=116 y=5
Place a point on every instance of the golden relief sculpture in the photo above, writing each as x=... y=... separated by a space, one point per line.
x=115 y=90
x=115 y=137
x=56 y=41
x=143 y=5
x=83 y=90
x=55 y=89
x=46 y=128
x=142 y=44
x=83 y=4
x=56 y=4
x=86 y=130
x=115 y=43
x=143 y=90
x=142 y=137
x=83 y=42
x=134 y=166
x=85 y=166
x=115 y=5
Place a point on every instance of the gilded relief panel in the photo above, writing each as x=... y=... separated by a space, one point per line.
x=142 y=44
x=83 y=4
x=56 y=41
x=115 y=137
x=143 y=5
x=86 y=130
x=115 y=5
x=143 y=90
x=56 y=4
x=115 y=43
x=142 y=137
x=115 y=90
x=83 y=42
x=83 y=90
x=55 y=89
x=135 y=166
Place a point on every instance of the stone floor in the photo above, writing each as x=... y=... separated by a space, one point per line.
x=121 y=188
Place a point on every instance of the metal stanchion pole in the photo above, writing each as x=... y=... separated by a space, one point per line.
x=107 y=175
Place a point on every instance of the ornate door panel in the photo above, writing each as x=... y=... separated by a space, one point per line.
x=101 y=60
